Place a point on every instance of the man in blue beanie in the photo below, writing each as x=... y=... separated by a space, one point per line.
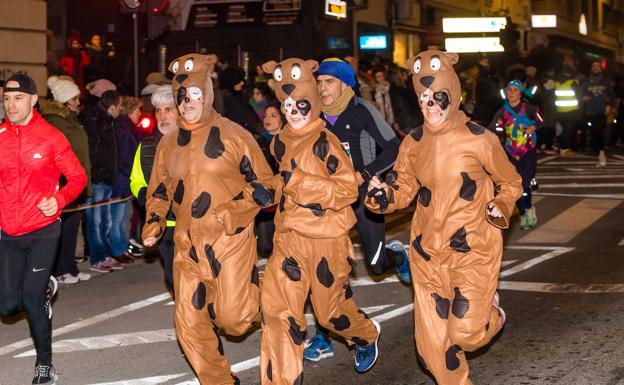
x=360 y=128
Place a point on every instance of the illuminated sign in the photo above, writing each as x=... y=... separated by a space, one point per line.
x=473 y=44
x=544 y=21
x=473 y=24
x=583 y=25
x=373 y=42
x=336 y=8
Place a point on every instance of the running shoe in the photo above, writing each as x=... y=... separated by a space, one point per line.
x=318 y=348
x=365 y=357
x=403 y=269
x=45 y=374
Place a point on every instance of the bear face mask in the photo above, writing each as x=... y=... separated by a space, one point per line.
x=295 y=87
x=438 y=89
x=192 y=87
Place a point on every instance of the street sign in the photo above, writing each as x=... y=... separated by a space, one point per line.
x=473 y=44
x=473 y=24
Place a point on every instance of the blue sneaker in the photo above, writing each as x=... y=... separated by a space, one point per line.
x=365 y=357
x=318 y=348
x=403 y=270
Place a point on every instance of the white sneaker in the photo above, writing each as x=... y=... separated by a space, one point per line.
x=112 y=264
x=84 y=276
x=67 y=278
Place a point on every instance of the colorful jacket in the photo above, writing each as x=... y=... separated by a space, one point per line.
x=514 y=121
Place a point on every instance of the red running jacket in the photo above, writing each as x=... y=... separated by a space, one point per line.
x=32 y=158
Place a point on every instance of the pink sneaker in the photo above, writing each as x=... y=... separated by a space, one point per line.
x=501 y=312
x=112 y=264
x=100 y=267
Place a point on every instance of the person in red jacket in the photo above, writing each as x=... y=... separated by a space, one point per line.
x=34 y=155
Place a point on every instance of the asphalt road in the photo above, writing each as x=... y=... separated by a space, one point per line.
x=562 y=287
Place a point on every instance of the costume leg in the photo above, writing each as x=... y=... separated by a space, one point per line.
x=473 y=320
x=236 y=301
x=284 y=292
x=335 y=309
x=194 y=328
x=432 y=305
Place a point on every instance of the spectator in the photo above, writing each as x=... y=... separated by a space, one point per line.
x=74 y=60
x=260 y=98
x=96 y=55
x=487 y=97
x=382 y=96
x=127 y=122
x=1 y=104
x=232 y=82
x=264 y=228
x=598 y=99
x=364 y=85
x=100 y=124
x=62 y=113
x=546 y=100
x=166 y=121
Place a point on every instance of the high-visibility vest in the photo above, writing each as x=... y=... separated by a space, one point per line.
x=565 y=96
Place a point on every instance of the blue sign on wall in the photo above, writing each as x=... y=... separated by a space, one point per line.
x=373 y=42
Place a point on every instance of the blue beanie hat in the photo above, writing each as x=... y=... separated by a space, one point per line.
x=338 y=69
x=515 y=83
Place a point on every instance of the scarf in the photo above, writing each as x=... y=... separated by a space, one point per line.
x=340 y=104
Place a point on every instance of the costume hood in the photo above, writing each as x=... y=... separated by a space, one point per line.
x=434 y=74
x=191 y=79
x=295 y=87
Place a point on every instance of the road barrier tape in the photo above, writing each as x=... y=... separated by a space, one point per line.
x=103 y=202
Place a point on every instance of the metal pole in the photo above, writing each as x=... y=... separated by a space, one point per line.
x=136 y=54
x=281 y=54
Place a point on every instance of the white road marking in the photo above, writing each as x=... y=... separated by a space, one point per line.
x=509 y=262
x=571 y=222
x=582 y=163
x=170 y=303
x=110 y=341
x=546 y=159
x=146 y=381
x=576 y=176
x=580 y=185
x=311 y=320
x=541 y=287
x=25 y=343
x=618 y=156
x=367 y=281
x=596 y=196
x=394 y=313
x=535 y=261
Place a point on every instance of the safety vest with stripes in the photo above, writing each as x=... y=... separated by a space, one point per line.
x=565 y=96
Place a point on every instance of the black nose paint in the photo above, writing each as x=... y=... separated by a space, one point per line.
x=304 y=106
x=288 y=88
x=181 y=78
x=442 y=99
x=430 y=103
x=181 y=95
x=427 y=80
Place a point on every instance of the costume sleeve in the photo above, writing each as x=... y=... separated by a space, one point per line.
x=159 y=195
x=507 y=181
x=333 y=187
x=138 y=184
x=69 y=165
x=402 y=183
x=238 y=212
x=384 y=137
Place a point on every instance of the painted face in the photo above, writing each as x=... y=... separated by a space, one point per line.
x=166 y=116
x=434 y=106
x=190 y=104
x=297 y=112
x=272 y=121
x=18 y=105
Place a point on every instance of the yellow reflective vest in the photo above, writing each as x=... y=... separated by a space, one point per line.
x=566 y=99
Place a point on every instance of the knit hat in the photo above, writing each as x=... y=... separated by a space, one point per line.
x=98 y=87
x=62 y=90
x=230 y=77
x=339 y=69
x=515 y=84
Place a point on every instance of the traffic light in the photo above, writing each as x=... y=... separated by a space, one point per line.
x=509 y=36
x=157 y=19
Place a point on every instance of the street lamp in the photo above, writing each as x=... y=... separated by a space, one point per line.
x=134 y=6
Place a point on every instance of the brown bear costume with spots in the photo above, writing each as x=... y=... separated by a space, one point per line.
x=312 y=248
x=466 y=191
x=211 y=174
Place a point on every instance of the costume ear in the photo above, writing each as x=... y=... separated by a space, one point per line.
x=409 y=63
x=269 y=66
x=312 y=65
x=211 y=58
x=451 y=57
